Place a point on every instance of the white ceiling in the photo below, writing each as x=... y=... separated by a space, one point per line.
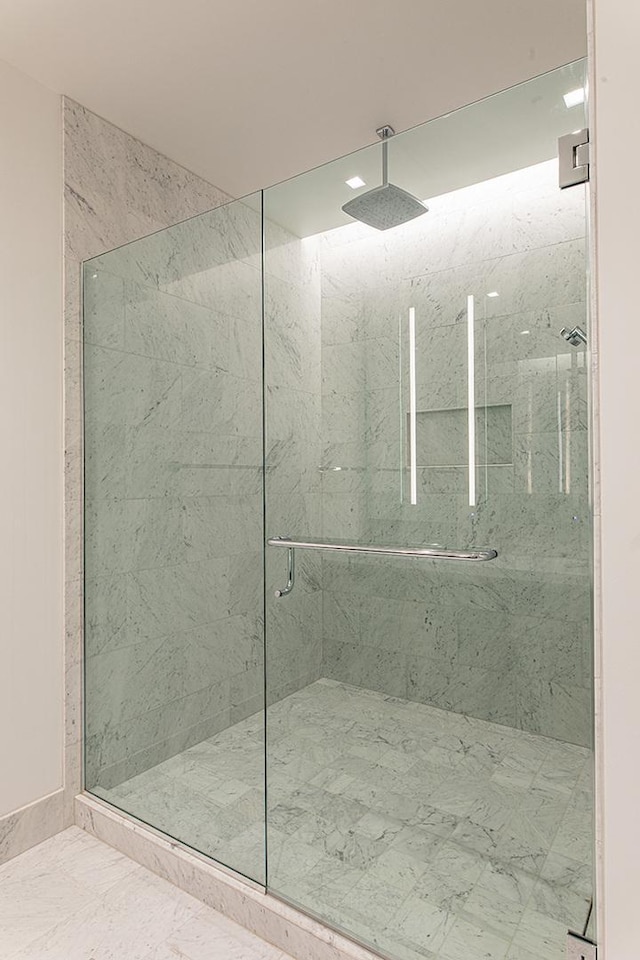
x=249 y=92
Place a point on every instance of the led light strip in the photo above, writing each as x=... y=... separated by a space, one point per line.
x=560 y=443
x=471 y=393
x=413 y=457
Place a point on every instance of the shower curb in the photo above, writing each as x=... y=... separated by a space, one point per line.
x=243 y=901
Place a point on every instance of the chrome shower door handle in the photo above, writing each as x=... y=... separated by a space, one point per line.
x=292 y=575
x=430 y=553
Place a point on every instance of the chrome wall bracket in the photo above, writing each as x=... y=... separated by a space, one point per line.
x=575 y=336
x=573 y=158
x=292 y=572
x=579 y=948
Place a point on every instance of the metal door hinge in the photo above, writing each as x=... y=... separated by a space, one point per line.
x=573 y=157
x=579 y=948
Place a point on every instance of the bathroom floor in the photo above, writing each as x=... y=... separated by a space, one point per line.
x=74 y=898
x=424 y=833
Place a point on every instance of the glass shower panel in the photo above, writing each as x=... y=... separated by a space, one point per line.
x=429 y=748
x=174 y=532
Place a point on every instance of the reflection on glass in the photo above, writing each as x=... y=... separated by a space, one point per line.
x=429 y=725
x=429 y=749
x=173 y=533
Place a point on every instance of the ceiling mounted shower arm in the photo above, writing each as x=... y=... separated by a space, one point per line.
x=385 y=133
x=388 y=205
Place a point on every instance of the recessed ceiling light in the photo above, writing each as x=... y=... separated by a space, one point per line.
x=355 y=182
x=523 y=333
x=494 y=293
x=574 y=97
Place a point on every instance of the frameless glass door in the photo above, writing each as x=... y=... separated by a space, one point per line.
x=429 y=750
x=174 y=534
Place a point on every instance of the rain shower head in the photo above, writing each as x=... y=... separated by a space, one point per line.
x=384 y=207
x=388 y=205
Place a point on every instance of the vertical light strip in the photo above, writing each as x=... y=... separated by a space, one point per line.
x=560 y=442
x=471 y=393
x=528 y=433
x=402 y=418
x=413 y=456
x=567 y=434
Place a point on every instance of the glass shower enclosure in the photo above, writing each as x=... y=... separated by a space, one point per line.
x=338 y=538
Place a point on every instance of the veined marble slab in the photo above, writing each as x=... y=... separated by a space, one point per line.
x=30 y=825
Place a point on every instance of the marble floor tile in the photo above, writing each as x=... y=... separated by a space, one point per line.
x=420 y=832
x=539 y=935
x=33 y=902
x=74 y=898
x=473 y=939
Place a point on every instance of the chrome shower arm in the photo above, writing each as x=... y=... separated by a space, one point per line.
x=385 y=133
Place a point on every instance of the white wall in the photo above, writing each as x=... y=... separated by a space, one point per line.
x=31 y=630
x=314 y=79
x=615 y=83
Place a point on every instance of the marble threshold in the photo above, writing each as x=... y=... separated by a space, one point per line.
x=241 y=901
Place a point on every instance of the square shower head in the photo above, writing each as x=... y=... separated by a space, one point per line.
x=384 y=207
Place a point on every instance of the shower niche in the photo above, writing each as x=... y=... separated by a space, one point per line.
x=401 y=746
x=442 y=437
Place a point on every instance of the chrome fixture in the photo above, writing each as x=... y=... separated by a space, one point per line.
x=575 y=337
x=385 y=206
x=430 y=553
x=292 y=574
x=573 y=158
x=434 y=553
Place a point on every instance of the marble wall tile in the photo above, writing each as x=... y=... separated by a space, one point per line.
x=73 y=462
x=342 y=321
x=293 y=478
x=174 y=329
x=509 y=642
x=165 y=560
x=117 y=190
x=234 y=287
x=103 y=309
x=544 y=215
x=292 y=335
x=174 y=481
x=369 y=666
x=123 y=750
x=289 y=412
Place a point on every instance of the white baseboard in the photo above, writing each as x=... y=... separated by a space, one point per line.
x=24 y=828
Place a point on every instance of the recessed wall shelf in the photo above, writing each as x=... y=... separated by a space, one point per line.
x=441 y=436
